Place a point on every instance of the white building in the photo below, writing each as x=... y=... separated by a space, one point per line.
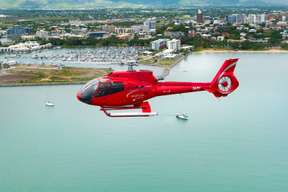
x=174 y=44
x=6 y=41
x=252 y=30
x=261 y=18
x=139 y=29
x=42 y=34
x=252 y=19
x=28 y=46
x=28 y=37
x=150 y=24
x=2 y=32
x=123 y=30
x=256 y=19
x=220 y=38
x=158 y=44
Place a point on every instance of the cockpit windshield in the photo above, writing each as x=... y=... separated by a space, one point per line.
x=91 y=83
x=108 y=87
x=89 y=89
x=100 y=87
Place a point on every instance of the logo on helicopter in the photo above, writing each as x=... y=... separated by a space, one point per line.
x=196 y=88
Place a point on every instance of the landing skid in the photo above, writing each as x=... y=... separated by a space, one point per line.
x=130 y=114
x=145 y=111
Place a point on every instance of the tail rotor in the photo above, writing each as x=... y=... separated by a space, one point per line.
x=225 y=81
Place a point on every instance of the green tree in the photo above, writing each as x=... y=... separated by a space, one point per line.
x=275 y=38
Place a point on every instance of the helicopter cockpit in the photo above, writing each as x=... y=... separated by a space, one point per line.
x=99 y=88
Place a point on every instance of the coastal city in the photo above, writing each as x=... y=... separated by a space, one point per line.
x=155 y=37
x=162 y=36
x=143 y=95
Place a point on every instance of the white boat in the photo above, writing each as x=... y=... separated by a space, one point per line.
x=11 y=62
x=182 y=116
x=49 y=104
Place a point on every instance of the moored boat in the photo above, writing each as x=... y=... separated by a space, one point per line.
x=49 y=104
x=182 y=116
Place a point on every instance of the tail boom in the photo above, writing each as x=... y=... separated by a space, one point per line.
x=222 y=84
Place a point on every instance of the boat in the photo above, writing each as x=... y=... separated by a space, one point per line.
x=182 y=116
x=11 y=62
x=49 y=104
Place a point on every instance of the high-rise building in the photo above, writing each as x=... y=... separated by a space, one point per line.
x=241 y=18
x=236 y=19
x=199 y=16
x=252 y=18
x=150 y=24
x=18 y=31
x=231 y=19
x=260 y=18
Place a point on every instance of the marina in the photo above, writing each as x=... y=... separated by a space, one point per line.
x=94 y=56
x=106 y=57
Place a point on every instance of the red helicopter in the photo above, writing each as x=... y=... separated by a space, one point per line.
x=129 y=90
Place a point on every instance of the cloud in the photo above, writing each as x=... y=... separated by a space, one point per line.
x=276 y=2
x=193 y=2
x=10 y=3
x=75 y=4
x=66 y=4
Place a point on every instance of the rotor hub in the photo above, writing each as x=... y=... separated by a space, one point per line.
x=225 y=84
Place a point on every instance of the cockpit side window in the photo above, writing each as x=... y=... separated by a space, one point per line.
x=107 y=88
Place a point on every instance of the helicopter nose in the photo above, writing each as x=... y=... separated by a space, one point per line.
x=83 y=97
x=78 y=95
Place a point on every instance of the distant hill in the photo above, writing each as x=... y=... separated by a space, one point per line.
x=79 y=4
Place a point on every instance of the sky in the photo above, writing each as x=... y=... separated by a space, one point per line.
x=132 y=3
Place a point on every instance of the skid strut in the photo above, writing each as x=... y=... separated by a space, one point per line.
x=144 y=107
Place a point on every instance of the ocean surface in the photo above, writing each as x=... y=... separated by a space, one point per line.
x=238 y=143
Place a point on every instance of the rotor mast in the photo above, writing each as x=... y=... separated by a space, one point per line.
x=131 y=66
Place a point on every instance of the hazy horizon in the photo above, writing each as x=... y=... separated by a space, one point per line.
x=94 y=4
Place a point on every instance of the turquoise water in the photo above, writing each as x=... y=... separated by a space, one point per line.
x=238 y=143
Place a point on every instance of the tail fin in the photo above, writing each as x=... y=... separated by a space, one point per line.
x=225 y=81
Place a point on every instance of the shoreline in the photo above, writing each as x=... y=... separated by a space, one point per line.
x=166 y=68
x=41 y=84
x=241 y=51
